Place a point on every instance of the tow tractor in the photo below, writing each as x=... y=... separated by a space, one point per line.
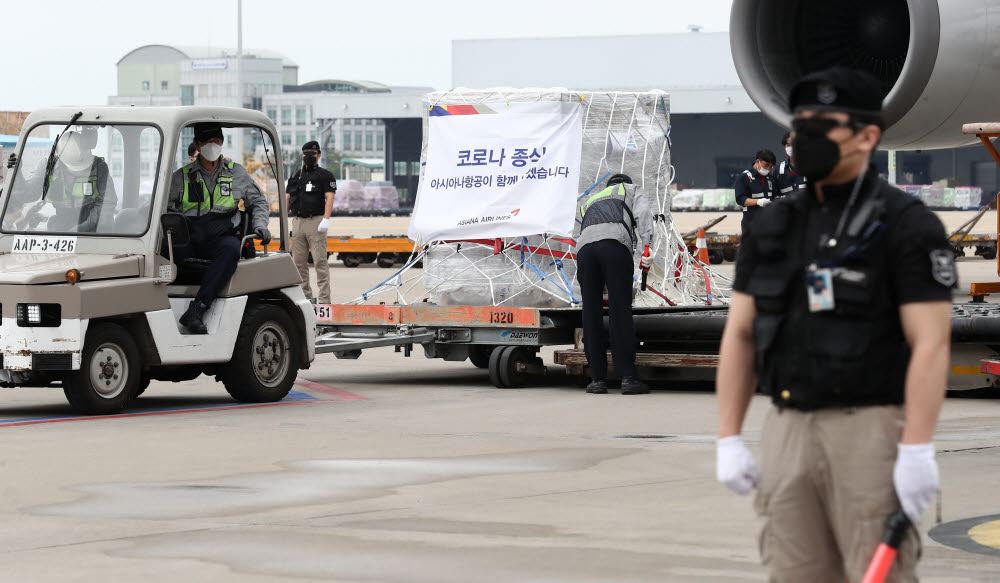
x=90 y=295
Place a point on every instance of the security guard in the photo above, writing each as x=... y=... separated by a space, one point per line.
x=208 y=192
x=755 y=187
x=310 y=195
x=788 y=180
x=841 y=311
x=613 y=220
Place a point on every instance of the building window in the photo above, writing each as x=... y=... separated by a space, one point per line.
x=300 y=116
x=145 y=85
x=357 y=141
x=164 y=85
x=347 y=140
x=368 y=142
x=380 y=142
x=273 y=114
x=187 y=94
x=286 y=115
x=401 y=168
x=286 y=140
x=415 y=167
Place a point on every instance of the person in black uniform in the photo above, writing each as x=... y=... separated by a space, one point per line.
x=788 y=180
x=755 y=187
x=310 y=195
x=841 y=312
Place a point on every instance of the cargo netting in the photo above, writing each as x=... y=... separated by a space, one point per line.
x=623 y=132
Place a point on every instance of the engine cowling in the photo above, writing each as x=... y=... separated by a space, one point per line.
x=938 y=61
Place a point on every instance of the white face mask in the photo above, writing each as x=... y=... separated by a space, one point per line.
x=788 y=150
x=763 y=172
x=210 y=151
x=73 y=153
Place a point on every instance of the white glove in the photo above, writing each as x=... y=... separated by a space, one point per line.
x=324 y=225
x=916 y=478
x=734 y=465
x=763 y=202
x=645 y=262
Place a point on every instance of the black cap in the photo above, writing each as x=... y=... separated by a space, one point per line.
x=837 y=89
x=619 y=179
x=313 y=145
x=204 y=132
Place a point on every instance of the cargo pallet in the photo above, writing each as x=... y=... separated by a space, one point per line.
x=505 y=340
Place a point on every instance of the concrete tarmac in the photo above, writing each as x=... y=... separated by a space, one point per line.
x=409 y=470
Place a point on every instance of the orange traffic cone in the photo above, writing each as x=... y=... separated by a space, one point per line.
x=702 y=247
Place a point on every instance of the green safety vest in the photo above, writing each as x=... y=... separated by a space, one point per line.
x=221 y=200
x=609 y=191
x=614 y=210
x=84 y=187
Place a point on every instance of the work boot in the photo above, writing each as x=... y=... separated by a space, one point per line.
x=633 y=386
x=597 y=387
x=192 y=318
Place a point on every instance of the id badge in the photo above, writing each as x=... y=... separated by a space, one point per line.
x=226 y=189
x=309 y=186
x=819 y=288
x=88 y=189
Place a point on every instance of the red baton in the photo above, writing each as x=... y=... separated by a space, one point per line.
x=645 y=271
x=885 y=554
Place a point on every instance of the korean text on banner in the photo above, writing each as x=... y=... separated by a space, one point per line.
x=499 y=170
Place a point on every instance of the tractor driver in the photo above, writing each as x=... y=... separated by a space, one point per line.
x=208 y=192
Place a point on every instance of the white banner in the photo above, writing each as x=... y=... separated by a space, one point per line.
x=499 y=170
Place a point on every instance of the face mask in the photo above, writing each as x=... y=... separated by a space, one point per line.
x=210 y=151
x=72 y=153
x=763 y=172
x=309 y=160
x=815 y=156
x=788 y=151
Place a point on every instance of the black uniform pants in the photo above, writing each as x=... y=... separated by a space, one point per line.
x=599 y=264
x=212 y=238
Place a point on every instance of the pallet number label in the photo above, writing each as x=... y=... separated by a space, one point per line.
x=36 y=244
x=501 y=317
x=324 y=313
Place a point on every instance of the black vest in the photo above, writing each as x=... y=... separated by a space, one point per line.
x=855 y=354
x=309 y=203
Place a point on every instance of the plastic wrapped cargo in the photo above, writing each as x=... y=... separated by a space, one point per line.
x=687 y=199
x=535 y=272
x=622 y=132
x=932 y=195
x=948 y=198
x=728 y=198
x=350 y=195
x=381 y=196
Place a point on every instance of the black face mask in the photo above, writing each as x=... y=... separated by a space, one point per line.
x=815 y=155
x=309 y=160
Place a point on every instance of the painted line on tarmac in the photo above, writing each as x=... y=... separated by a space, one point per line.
x=975 y=535
x=340 y=394
x=293 y=398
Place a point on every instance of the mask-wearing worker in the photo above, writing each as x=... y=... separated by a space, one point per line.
x=309 y=196
x=208 y=192
x=755 y=187
x=841 y=315
x=788 y=179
